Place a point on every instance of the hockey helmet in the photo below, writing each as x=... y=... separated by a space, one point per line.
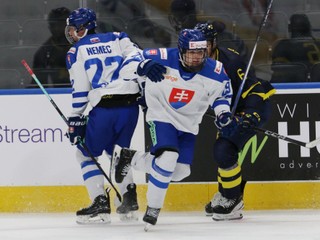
x=192 y=40
x=80 y=19
x=208 y=30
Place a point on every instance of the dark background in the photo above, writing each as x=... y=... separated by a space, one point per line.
x=268 y=166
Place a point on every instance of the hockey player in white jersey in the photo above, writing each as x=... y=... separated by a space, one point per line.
x=94 y=63
x=176 y=102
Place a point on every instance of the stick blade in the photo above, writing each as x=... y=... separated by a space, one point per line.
x=313 y=143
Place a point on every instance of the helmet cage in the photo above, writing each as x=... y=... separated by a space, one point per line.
x=190 y=39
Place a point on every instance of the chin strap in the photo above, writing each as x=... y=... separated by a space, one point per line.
x=85 y=34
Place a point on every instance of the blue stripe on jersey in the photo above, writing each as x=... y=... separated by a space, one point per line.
x=88 y=40
x=157 y=183
x=101 y=37
x=78 y=105
x=87 y=163
x=158 y=169
x=93 y=173
x=161 y=55
x=220 y=102
x=80 y=94
x=135 y=58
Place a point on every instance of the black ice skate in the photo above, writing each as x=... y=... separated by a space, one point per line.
x=121 y=159
x=98 y=212
x=151 y=217
x=213 y=203
x=218 y=197
x=228 y=209
x=129 y=205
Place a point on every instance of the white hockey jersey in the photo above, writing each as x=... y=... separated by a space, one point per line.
x=94 y=65
x=182 y=98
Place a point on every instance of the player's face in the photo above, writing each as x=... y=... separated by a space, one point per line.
x=194 y=58
x=209 y=48
x=71 y=33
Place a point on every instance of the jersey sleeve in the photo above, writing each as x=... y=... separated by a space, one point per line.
x=80 y=86
x=221 y=100
x=126 y=45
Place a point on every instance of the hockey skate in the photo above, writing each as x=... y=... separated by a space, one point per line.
x=151 y=217
x=129 y=206
x=121 y=161
x=98 y=212
x=218 y=197
x=228 y=209
x=214 y=202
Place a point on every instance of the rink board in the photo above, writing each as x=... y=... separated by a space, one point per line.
x=39 y=172
x=180 y=197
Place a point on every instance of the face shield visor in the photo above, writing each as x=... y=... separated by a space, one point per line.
x=71 y=33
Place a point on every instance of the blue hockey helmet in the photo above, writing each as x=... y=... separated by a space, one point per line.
x=80 y=19
x=192 y=40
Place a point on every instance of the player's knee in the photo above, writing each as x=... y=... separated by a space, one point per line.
x=180 y=172
x=225 y=153
x=80 y=157
x=166 y=161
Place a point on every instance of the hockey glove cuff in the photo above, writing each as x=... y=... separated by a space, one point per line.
x=77 y=129
x=226 y=124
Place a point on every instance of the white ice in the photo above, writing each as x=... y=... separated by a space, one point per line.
x=256 y=225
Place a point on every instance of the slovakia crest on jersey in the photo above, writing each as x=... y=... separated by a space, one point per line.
x=180 y=97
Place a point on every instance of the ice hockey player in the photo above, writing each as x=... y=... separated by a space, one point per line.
x=254 y=108
x=94 y=63
x=176 y=101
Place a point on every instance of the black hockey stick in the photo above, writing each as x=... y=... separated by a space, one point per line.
x=25 y=64
x=311 y=144
x=263 y=23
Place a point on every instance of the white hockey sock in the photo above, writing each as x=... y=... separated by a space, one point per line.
x=142 y=161
x=94 y=183
x=160 y=177
x=92 y=176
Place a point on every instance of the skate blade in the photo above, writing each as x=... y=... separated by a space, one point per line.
x=227 y=217
x=147 y=227
x=209 y=214
x=129 y=217
x=103 y=218
x=115 y=157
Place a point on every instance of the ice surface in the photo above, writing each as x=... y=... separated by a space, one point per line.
x=256 y=225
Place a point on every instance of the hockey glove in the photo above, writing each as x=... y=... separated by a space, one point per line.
x=250 y=119
x=77 y=129
x=153 y=70
x=226 y=124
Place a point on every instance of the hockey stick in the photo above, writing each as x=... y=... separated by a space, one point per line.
x=311 y=144
x=263 y=23
x=25 y=64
